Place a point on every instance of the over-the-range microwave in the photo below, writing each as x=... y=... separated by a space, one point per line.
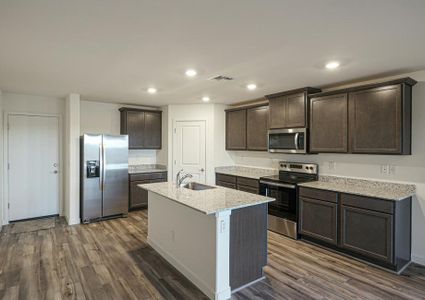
x=288 y=140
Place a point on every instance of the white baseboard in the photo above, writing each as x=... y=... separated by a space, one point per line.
x=222 y=295
x=418 y=259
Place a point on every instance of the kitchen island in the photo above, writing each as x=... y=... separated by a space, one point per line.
x=216 y=237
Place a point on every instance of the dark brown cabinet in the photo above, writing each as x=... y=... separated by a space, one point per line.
x=257 y=128
x=236 y=129
x=376 y=120
x=246 y=128
x=249 y=185
x=367 y=232
x=329 y=123
x=376 y=230
x=289 y=109
x=143 y=128
x=318 y=215
x=373 y=119
x=138 y=196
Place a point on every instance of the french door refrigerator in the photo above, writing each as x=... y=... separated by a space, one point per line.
x=104 y=176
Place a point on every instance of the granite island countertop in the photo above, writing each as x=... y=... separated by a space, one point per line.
x=247 y=172
x=369 y=188
x=146 y=168
x=207 y=201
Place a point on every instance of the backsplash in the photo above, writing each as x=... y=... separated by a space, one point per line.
x=141 y=157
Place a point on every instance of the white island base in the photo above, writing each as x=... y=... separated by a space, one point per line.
x=199 y=244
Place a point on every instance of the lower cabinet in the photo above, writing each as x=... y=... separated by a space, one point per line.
x=318 y=219
x=139 y=197
x=249 y=185
x=367 y=232
x=372 y=229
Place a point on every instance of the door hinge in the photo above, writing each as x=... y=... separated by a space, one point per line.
x=8 y=126
x=8 y=166
x=175 y=130
x=8 y=205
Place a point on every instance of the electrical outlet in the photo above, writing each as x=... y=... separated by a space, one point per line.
x=332 y=165
x=384 y=169
x=222 y=226
x=391 y=170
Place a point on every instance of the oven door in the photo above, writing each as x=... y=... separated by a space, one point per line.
x=287 y=140
x=283 y=211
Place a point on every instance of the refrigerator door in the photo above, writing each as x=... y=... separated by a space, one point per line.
x=91 y=185
x=115 y=175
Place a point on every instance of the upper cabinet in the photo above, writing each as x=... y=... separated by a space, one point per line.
x=328 y=123
x=142 y=126
x=379 y=119
x=246 y=128
x=289 y=109
x=236 y=129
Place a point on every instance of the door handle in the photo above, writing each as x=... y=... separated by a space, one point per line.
x=55 y=172
x=202 y=170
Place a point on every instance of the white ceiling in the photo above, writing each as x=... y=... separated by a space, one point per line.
x=109 y=50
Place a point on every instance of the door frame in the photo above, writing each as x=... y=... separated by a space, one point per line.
x=173 y=140
x=5 y=159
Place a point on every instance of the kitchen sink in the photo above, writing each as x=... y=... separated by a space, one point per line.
x=197 y=186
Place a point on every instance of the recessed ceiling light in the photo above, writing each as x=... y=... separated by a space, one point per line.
x=191 y=73
x=152 y=90
x=205 y=98
x=251 y=86
x=332 y=65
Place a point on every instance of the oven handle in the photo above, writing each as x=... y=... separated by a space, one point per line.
x=289 y=186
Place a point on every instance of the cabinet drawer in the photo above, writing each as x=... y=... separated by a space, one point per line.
x=248 y=189
x=148 y=176
x=318 y=219
x=226 y=184
x=319 y=194
x=248 y=182
x=225 y=178
x=375 y=204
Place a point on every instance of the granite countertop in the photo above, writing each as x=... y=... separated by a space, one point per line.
x=369 y=188
x=207 y=201
x=248 y=172
x=147 y=168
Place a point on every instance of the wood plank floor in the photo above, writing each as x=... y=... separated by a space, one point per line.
x=111 y=260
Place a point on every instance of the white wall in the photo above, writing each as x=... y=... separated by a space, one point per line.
x=98 y=117
x=1 y=160
x=409 y=168
x=214 y=119
x=22 y=103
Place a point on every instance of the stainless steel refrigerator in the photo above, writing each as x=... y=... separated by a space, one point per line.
x=104 y=176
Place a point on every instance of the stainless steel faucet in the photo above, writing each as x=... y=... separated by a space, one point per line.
x=179 y=179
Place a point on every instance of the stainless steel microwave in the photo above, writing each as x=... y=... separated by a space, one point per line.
x=288 y=140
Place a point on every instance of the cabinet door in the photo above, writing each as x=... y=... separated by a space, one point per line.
x=226 y=184
x=295 y=111
x=236 y=130
x=375 y=120
x=367 y=232
x=318 y=219
x=329 y=124
x=135 y=129
x=138 y=196
x=152 y=130
x=277 y=108
x=257 y=128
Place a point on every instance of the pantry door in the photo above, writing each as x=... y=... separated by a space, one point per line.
x=189 y=149
x=33 y=166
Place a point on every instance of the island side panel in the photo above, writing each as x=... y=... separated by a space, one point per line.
x=248 y=245
x=188 y=239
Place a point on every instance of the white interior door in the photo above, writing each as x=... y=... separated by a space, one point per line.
x=33 y=157
x=189 y=149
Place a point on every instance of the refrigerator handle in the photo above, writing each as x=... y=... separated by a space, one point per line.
x=101 y=167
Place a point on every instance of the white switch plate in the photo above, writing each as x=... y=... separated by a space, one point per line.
x=392 y=170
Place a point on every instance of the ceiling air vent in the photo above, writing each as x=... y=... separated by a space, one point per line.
x=222 y=77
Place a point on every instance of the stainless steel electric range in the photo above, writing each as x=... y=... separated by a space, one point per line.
x=283 y=213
